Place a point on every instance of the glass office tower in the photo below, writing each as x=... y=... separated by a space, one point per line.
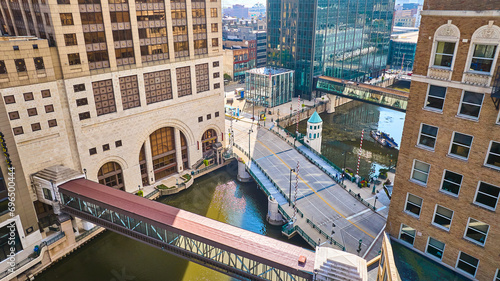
x=347 y=39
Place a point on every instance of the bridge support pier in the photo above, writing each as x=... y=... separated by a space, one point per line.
x=243 y=175
x=273 y=215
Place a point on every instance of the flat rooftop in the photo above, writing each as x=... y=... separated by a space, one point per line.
x=269 y=70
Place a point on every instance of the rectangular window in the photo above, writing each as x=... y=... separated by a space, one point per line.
x=214 y=64
x=14 y=115
x=18 y=131
x=213 y=12
x=407 y=234
x=460 y=145
x=216 y=85
x=487 y=195
x=200 y=119
x=476 y=231
x=467 y=264
x=216 y=74
x=420 y=171
x=52 y=123
x=5 y=238
x=217 y=114
x=470 y=106
x=435 y=248
x=74 y=59
x=497 y=275
x=28 y=96
x=9 y=99
x=104 y=97
x=84 y=115
x=46 y=94
x=215 y=42
x=413 y=204
x=49 y=108
x=105 y=147
x=66 y=19
x=493 y=156
x=20 y=65
x=435 y=98
x=215 y=27
x=209 y=116
x=47 y=194
x=79 y=87
x=482 y=58
x=118 y=143
x=444 y=54
x=428 y=135
x=32 y=111
x=38 y=63
x=70 y=39
x=3 y=68
x=442 y=217
x=451 y=182
x=93 y=151
x=36 y=127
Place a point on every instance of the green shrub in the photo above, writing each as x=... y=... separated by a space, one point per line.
x=140 y=193
x=187 y=177
x=161 y=186
x=205 y=162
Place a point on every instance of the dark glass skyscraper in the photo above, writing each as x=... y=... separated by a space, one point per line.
x=347 y=39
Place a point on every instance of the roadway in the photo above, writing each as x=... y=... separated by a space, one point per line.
x=320 y=199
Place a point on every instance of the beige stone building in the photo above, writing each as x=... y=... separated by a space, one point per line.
x=127 y=93
x=447 y=187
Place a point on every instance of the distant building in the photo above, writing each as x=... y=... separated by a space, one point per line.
x=257 y=10
x=407 y=15
x=326 y=38
x=238 y=11
x=238 y=29
x=239 y=56
x=402 y=49
x=261 y=37
x=269 y=86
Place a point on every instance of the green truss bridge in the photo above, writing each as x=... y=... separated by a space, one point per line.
x=385 y=97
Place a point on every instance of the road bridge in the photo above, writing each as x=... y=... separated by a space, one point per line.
x=385 y=97
x=236 y=252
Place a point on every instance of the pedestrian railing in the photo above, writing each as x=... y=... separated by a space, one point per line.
x=327 y=237
x=55 y=238
x=87 y=233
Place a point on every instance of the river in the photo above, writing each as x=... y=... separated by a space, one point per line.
x=342 y=132
x=113 y=257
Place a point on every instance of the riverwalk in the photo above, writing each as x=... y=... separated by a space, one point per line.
x=327 y=211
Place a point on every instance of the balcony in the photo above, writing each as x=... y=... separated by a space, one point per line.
x=476 y=79
x=439 y=73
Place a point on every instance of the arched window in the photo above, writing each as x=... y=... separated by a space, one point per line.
x=444 y=49
x=310 y=135
x=110 y=174
x=483 y=50
x=208 y=139
x=163 y=152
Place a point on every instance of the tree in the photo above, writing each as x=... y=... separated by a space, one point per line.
x=227 y=77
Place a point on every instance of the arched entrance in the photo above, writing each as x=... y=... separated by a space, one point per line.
x=208 y=139
x=110 y=174
x=165 y=154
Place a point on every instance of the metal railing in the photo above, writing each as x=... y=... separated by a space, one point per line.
x=87 y=233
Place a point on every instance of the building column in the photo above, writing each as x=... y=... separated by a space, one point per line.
x=149 y=161
x=178 y=150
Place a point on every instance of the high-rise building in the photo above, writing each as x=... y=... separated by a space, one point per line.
x=447 y=186
x=342 y=39
x=126 y=92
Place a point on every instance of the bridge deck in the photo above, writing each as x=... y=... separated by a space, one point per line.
x=238 y=240
x=367 y=86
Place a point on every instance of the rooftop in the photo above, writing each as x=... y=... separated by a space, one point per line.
x=315 y=118
x=267 y=70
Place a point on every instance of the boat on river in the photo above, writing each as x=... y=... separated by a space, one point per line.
x=384 y=139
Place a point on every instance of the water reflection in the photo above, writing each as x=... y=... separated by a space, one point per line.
x=342 y=132
x=114 y=257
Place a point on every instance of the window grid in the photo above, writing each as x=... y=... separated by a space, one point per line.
x=444 y=54
x=183 y=81
x=130 y=92
x=202 y=79
x=470 y=105
x=483 y=57
x=435 y=98
x=104 y=97
x=158 y=86
x=428 y=135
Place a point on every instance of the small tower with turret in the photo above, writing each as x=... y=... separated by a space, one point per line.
x=314 y=128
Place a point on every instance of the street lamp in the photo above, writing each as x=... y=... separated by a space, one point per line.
x=249 y=132
x=343 y=171
x=290 y=190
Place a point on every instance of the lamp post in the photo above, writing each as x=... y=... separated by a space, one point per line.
x=290 y=189
x=249 y=132
x=343 y=171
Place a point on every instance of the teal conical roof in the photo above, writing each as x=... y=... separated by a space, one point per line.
x=315 y=118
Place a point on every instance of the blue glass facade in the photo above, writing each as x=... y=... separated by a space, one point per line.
x=346 y=39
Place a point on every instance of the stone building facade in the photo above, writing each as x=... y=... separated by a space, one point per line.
x=126 y=92
x=447 y=185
